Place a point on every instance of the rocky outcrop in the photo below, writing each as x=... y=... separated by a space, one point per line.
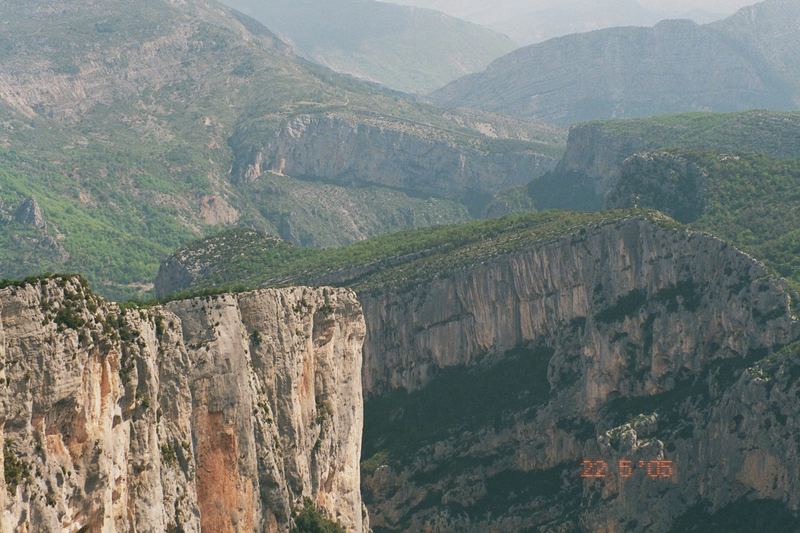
x=497 y=126
x=670 y=182
x=188 y=265
x=37 y=242
x=494 y=367
x=214 y=414
x=590 y=167
x=215 y=211
x=376 y=151
x=629 y=341
x=30 y=213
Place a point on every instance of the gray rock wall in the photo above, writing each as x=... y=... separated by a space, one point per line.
x=384 y=152
x=534 y=293
x=627 y=341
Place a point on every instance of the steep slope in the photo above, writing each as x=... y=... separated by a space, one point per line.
x=627 y=342
x=218 y=414
x=500 y=355
x=751 y=200
x=592 y=163
x=139 y=128
x=736 y=175
x=409 y=49
x=740 y=63
x=769 y=30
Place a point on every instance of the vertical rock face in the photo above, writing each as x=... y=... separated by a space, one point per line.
x=590 y=168
x=218 y=414
x=627 y=341
x=620 y=273
x=390 y=154
x=599 y=154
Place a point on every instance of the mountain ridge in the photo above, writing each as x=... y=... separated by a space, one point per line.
x=247 y=259
x=674 y=66
x=381 y=41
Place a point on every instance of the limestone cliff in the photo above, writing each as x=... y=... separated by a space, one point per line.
x=386 y=152
x=590 y=167
x=597 y=152
x=218 y=414
x=488 y=387
x=634 y=268
x=501 y=355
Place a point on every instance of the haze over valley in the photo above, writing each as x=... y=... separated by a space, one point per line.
x=532 y=21
x=413 y=50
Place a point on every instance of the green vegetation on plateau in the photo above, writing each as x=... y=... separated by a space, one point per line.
x=751 y=200
x=243 y=260
x=766 y=132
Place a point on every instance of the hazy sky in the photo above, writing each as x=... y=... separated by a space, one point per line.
x=670 y=6
x=719 y=6
x=528 y=21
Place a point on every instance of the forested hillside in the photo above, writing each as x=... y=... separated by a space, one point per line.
x=137 y=128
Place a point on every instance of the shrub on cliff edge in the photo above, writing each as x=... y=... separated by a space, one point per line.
x=311 y=520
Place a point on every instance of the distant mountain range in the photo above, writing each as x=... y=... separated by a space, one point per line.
x=533 y=21
x=746 y=61
x=405 y=48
